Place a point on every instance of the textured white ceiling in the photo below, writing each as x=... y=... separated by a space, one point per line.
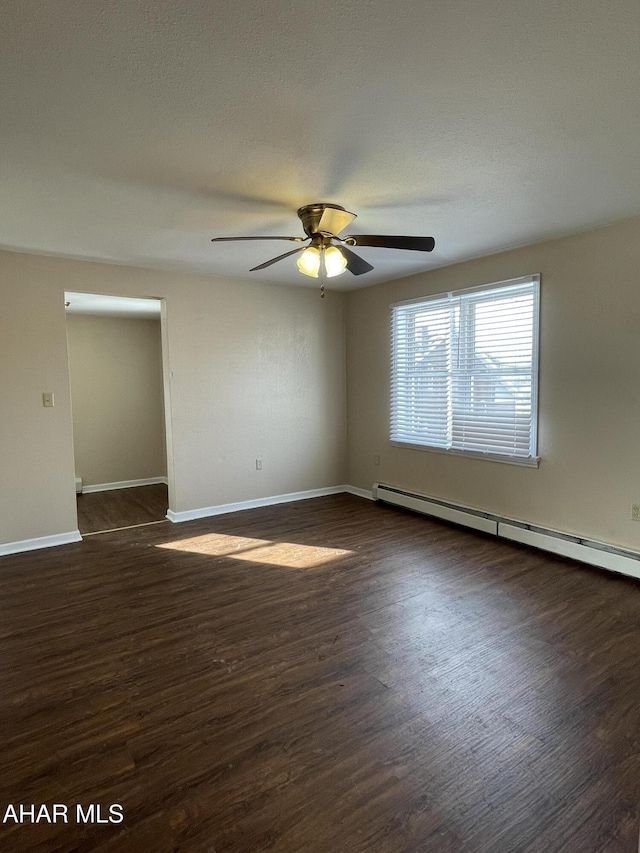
x=135 y=130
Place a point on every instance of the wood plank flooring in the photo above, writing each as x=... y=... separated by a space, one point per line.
x=121 y=508
x=324 y=676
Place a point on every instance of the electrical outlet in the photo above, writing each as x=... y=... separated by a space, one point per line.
x=376 y=459
x=258 y=464
x=635 y=512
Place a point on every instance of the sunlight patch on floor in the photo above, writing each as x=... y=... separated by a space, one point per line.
x=287 y=554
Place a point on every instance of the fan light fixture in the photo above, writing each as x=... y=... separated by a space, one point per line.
x=310 y=260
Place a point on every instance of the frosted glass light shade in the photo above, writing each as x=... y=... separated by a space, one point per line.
x=335 y=262
x=309 y=262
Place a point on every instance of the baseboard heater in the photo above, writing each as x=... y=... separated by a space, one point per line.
x=586 y=550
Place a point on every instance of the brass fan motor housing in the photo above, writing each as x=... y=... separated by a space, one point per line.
x=311 y=214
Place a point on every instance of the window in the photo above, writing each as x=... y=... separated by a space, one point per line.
x=464 y=371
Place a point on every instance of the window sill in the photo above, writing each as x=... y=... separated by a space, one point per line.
x=527 y=462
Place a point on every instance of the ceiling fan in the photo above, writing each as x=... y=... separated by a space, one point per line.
x=322 y=223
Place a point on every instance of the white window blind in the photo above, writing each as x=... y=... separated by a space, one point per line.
x=464 y=370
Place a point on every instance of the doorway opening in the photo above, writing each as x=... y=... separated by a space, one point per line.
x=119 y=400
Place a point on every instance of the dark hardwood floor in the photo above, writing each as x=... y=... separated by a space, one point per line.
x=121 y=508
x=326 y=676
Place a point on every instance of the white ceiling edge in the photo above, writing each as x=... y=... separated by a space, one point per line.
x=150 y=307
x=101 y=305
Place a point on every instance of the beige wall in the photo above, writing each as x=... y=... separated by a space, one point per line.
x=115 y=365
x=255 y=371
x=589 y=390
x=258 y=370
x=36 y=453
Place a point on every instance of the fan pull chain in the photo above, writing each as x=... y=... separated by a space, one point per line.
x=322 y=274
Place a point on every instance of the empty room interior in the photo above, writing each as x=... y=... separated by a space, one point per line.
x=320 y=370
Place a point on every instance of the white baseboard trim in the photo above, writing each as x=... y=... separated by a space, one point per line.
x=124 y=484
x=359 y=493
x=176 y=517
x=40 y=542
x=223 y=509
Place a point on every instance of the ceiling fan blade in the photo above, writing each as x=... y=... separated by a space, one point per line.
x=279 y=258
x=334 y=221
x=355 y=264
x=226 y=239
x=414 y=244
